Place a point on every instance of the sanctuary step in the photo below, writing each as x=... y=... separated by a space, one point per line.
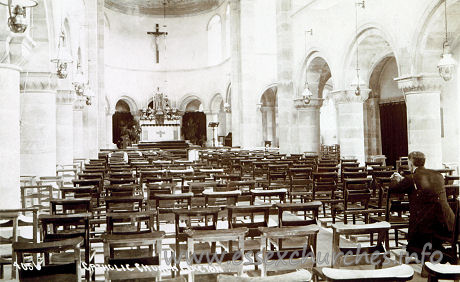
x=177 y=147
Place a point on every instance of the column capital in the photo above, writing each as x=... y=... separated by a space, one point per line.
x=348 y=96
x=315 y=103
x=419 y=83
x=79 y=104
x=65 y=97
x=38 y=81
x=16 y=49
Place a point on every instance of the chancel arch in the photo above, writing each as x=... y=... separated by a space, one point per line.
x=269 y=110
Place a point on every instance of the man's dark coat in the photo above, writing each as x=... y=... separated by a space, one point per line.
x=430 y=212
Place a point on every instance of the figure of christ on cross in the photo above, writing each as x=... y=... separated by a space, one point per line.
x=157 y=33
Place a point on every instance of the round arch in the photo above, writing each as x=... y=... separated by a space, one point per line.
x=313 y=54
x=215 y=103
x=371 y=35
x=184 y=101
x=131 y=103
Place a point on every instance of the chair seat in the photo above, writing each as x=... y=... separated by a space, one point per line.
x=249 y=245
x=443 y=271
x=396 y=273
x=198 y=248
x=300 y=275
x=294 y=243
x=392 y=220
x=66 y=257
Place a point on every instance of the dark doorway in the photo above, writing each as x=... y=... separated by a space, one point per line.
x=393 y=128
x=194 y=127
x=120 y=121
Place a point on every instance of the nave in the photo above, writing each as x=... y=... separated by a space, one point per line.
x=146 y=206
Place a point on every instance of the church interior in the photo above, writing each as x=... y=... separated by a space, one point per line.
x=224 y=140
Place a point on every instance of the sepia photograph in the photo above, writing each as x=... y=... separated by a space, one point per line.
x=229 y=140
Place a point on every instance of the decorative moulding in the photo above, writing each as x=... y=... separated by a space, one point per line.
x=314 y=103
x=38 y=81
x=419 y=83
x=348 y=96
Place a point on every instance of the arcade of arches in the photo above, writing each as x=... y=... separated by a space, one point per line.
x=268 y=72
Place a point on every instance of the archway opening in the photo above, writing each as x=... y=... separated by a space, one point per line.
x=385 y=114
x=122 y=120
x=269 y=109
x=194 y=123
x=219 y=115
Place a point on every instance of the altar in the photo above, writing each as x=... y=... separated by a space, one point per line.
x=152 y=132
x=160 y=122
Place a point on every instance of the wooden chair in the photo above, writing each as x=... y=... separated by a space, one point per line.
x=237 y=218
x=277 y=173
x=280 y=193
x=65 y=206
x=37 y=196
x=338 y=252
x=195 y=219
x=49 y=272
x=14 y=221
x=214 y=237
x=166 y=204
x=396 y=213
x=116 y=254
x=221 y=199
x=300 y=182
x=65 y=226
x=303 y=257
x=356 y=197
x=130 y=222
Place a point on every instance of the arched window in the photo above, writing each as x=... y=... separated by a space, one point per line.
x=214 y=40
x=227 y=32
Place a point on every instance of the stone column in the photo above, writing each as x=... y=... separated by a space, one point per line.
x=64 y=126
x=108 y=119
x=9 y=136
x=350 y=125
x=285 y=93
x=78 y=144
x=422 y=94
x=17 y=50
x=372 y=126
x=308 y=126
x=38 y=124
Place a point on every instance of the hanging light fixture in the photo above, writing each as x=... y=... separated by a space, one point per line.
x=79 y=81
x=62 y=59
x=446 y=65
x=17 y=21
x=358 y=81
x=306 y=94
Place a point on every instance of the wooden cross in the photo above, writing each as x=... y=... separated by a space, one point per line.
x=160 y=133
x=157 y=33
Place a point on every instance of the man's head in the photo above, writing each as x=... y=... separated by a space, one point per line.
x=416 y=159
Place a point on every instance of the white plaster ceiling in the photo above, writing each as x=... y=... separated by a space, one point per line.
x=156 y=7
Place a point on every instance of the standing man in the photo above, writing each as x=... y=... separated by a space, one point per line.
x=430 y=212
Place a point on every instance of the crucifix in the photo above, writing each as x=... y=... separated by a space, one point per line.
x=157 y=33
x=161 y=133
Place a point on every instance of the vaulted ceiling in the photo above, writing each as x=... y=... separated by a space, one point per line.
x=156 y=7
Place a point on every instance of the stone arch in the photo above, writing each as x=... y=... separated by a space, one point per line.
x=184 y=101
x=131 y=103
x=313 y=54
x=215 y=103
x=373 y=42
x=429 y=37
x=269 y=115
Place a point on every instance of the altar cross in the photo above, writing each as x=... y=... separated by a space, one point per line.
x=161 y=133
x=157 y=33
